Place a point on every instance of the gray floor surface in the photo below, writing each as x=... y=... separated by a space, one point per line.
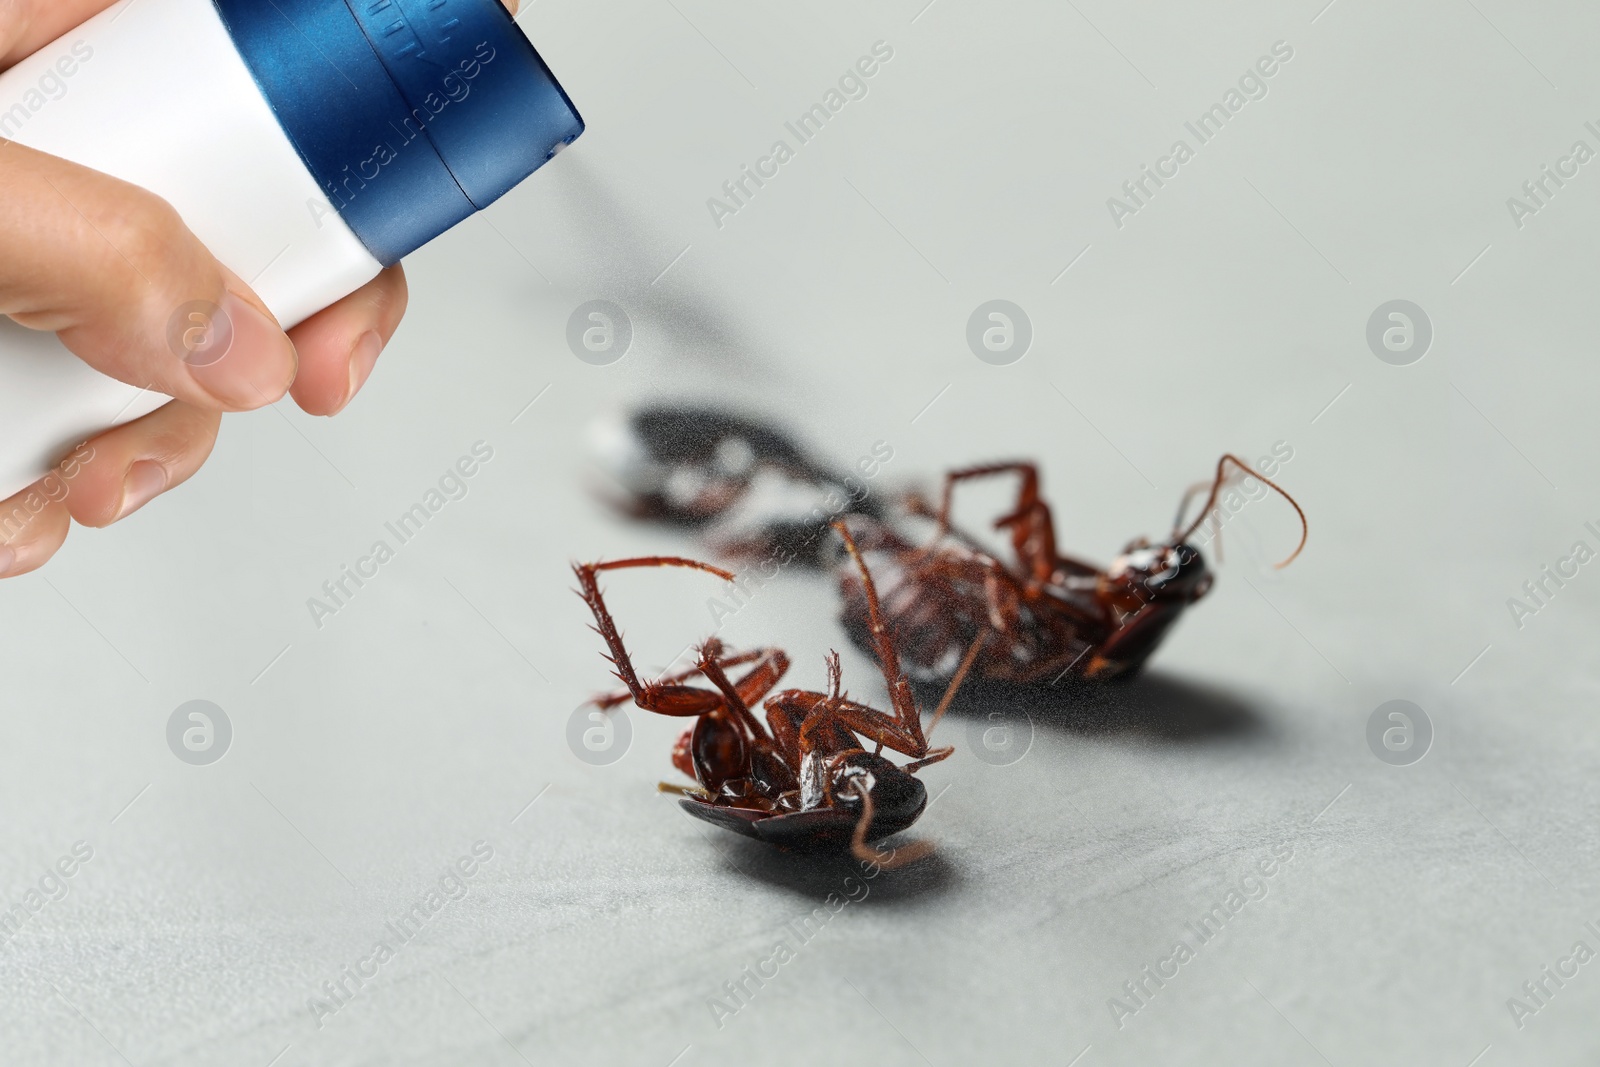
x=1226 y=309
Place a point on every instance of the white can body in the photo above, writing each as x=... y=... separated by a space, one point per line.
x=157 y=95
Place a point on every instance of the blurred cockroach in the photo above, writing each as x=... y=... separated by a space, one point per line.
x=746 y=486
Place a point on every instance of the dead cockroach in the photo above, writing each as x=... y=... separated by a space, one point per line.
x=804 y=780
x=746 y=486
x=1047 y=615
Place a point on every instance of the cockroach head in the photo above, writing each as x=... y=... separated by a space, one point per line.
x=1163 y=571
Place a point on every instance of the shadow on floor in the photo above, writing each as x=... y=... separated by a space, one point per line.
x=1156 y=707
x=815 y=875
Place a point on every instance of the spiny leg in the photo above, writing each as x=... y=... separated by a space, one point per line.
x=906 y=725
x=661 y=697
x=711 y=664
x=763 y=677
x=875 y=726
x=902 y=731
x=608 y=701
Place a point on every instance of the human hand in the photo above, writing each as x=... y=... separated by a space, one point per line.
x=104 y=264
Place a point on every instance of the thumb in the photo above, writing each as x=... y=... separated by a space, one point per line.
x=113 y=270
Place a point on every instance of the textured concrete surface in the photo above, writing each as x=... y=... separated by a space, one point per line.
x=372 y=748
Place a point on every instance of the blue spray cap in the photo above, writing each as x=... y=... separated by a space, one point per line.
x=411 y=114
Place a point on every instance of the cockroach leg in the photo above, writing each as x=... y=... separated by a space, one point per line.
x=607 y=701
x=664 y=698
x=934 y=755
x=955 y=682
x=903 y=732
x=711 y=666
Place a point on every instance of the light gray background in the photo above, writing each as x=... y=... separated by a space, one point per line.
x=1228 y=314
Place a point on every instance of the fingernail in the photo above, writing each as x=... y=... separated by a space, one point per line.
x=259 y=363
x=8 y=559
x=146 y=479
x=362 y=359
